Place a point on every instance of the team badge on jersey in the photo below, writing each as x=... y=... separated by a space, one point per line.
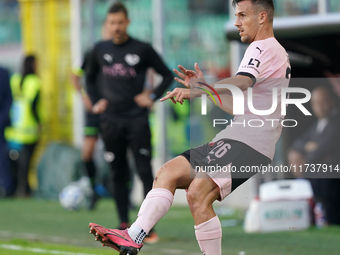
x=108 y=58
x=132 y=59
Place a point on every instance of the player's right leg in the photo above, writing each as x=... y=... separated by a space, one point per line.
x=171 y=176
x=87 y=155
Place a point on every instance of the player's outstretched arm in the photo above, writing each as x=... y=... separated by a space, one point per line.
x=195 y=80
x=227 y=102
x=240 y=81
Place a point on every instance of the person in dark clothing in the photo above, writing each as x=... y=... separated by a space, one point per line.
x=90 y=131
x=6 y=181
x=319 y=145
x=121 y=64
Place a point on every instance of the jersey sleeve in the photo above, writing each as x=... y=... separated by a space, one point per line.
x=256 y=62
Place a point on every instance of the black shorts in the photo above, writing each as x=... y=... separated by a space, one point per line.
x=229 y=163
x=92 y=124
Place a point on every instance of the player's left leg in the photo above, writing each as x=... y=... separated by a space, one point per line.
x=215 y=179
x=202 y=192
x=172 y=175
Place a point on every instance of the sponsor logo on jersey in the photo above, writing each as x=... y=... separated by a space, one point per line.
x=259 y=49
x=132 y=59
x=108 y=58
x=119 y=70
x=209 y=159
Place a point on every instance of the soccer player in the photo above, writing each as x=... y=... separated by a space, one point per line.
x=265 y=66
x=121 y=66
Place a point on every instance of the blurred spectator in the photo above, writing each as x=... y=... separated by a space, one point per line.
x=296 y=8
x=319 y=145
x=124 y=104
x=6 y=182
x=23 y=134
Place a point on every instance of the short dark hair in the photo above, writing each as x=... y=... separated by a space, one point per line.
x=118 y=7
x=28 y=67
x=268 y=5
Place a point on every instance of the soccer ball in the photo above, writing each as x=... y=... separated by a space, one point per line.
x=76 y=195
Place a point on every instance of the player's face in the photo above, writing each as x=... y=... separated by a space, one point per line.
x=117 y=24
x=322 y=103
x=246 y=21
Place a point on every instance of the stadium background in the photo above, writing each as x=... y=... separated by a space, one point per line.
x=193 y=31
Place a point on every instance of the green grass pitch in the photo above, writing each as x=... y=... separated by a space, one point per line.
x=29 y=226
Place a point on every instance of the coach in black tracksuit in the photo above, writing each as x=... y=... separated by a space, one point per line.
x=121 y=64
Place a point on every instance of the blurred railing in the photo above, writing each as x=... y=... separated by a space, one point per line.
x=10 y=37
x=9 y=22
x=303 y=7
x=295 y=7
x=334 y=6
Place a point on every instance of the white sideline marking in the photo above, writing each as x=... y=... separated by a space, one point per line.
x=29 y=236
x=38 y=250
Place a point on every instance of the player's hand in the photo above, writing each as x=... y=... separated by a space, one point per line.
x=143 y=100
x=184 y=78
x=186 y=75
x=178 y=95
x=100 y=106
